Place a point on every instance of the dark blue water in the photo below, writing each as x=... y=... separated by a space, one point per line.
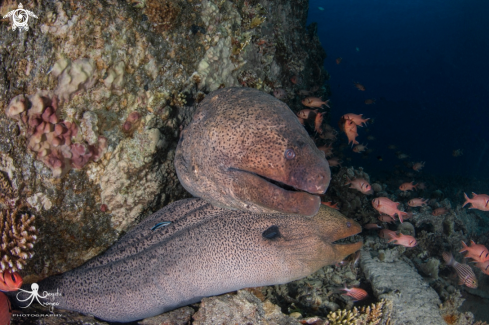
x=427 y=65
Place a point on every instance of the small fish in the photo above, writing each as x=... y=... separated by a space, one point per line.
x=356 y=118
x=477 y=252
x=314 y=102
x=296 y=79
x=306 y=113
x=356 y=293
x=371 y=138
x=478 y=201
x=338 y=60
x=387 y=206
x=359 y=148
x=317 y=123
x=483 y=266
x=465 y=274
x=387 y=234
x=331 y=205
x=359 y=86
x=161 y=224
x=403 y=240
x=10 y=281
x=392 y=147
x=439 y=211
x=334 y=162
x=407 y=186
x=402 y=156
x=351 y=133
x=457 y=153
x=386 y=218
x=369 y=101
x=361 y=185
x=379 y=158
x=321 y=8
x=417 y=166
x=421 y=186
x=417 y=202
x=372 y=226
x=328 y=151
x=5 y=310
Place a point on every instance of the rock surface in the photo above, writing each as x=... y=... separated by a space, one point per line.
x=129 y=73
x=413 y=300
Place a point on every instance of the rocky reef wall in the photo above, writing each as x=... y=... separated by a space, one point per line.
x=94 y=94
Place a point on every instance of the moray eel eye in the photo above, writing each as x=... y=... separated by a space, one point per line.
x=289 y=154
x=271 y=233
x=348 y=224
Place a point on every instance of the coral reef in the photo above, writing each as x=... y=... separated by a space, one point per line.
x=87 y=66
x=18 y=236
x=413 y=301
x=241 y=308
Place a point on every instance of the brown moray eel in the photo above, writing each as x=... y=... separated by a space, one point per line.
x=246 y=150
x=204 y=251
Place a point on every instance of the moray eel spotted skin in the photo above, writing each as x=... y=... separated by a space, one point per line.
x=246 y=150
x=205 y=251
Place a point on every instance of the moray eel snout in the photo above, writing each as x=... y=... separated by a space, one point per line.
x=246 y=150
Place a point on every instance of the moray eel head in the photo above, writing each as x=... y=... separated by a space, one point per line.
x=327 y=227
x=246 y=150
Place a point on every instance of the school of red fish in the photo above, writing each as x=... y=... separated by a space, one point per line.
x=312 y=117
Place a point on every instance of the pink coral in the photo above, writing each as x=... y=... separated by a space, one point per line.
x=50 y=137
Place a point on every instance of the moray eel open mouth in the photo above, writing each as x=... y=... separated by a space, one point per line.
x=286 y=198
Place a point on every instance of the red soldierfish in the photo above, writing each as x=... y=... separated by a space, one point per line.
x=331 y=205
x=314 y=102
x=361 y=185
x=483 y=266
x=356 y=293
x=417 y=166
x=317 y=123
x=479 y=202
x=465 y=274
x=386 y=206
x=439 y=212
x=10 y=281
x=387 y=234
x=475 y=251
x=372 y=226
x=417 y=202
x=355 y=118
x=403 y=240
x=407 y=187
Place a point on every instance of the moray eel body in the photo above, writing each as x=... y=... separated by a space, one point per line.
x=246 y=150
x=204 y=251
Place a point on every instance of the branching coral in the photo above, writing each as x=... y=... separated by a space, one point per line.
x=370 y=315
x=18 y=236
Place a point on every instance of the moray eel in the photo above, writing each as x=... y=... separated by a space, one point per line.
x=204 y=251
x=246 y=150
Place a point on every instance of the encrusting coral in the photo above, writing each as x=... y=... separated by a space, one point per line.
x=17 y=238
x=50 y=137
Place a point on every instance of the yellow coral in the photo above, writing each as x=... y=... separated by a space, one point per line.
x=370 y=315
